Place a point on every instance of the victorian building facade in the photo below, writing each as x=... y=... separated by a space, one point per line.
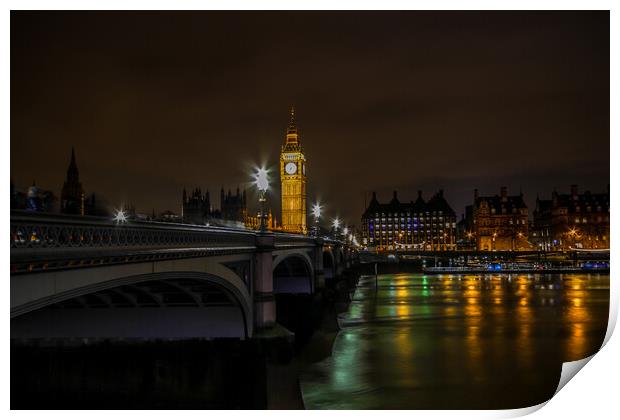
x=497 y=223
x=423 y=225
x=572 y=220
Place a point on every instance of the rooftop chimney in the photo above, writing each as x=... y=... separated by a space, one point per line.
x=504 y=193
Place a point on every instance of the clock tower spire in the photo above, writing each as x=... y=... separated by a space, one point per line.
x=293 y=180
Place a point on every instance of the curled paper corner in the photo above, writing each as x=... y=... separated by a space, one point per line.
x=520 y=412
x=570 y=369
x=613 y=315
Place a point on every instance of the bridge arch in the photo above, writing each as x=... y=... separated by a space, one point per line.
x=293 y=273
x=167 y=304
x=339 y=261
x=329 y=264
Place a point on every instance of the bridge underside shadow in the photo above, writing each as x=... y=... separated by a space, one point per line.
x=174 y=308
x=295 y=301
x=329 y=269
x=293 y=275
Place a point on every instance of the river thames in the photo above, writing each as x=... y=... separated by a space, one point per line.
x=414 y=341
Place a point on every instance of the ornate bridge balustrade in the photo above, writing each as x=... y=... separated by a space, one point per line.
x=44 y=242
x=91 y=277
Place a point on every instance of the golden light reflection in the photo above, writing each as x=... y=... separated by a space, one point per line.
x=576 y=315
x=447 y=282
x=497 y=293
x=403 y=310
x=400 y=280
x=472 y=300
x=449 y=310
x=523 y=283
x=405 y=349
x=525 y=319
x=576 y=344
x=473 y=346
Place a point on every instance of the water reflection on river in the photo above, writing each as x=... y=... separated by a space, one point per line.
x=449 y=341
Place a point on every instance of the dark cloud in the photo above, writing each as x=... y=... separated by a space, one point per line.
x=157 y=101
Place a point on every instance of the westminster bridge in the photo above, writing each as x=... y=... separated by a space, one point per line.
x=88 y=277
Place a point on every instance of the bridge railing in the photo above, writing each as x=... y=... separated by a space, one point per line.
x=54 y=231
x=285 y=240
x=41 y=241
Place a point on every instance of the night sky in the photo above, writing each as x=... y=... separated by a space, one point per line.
x=154 y=102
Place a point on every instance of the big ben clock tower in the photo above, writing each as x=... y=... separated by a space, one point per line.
x=293 y=180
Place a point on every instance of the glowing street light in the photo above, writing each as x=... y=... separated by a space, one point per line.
x=120 y=216
x=261 y=180
x=336 y=225
x=316 y=212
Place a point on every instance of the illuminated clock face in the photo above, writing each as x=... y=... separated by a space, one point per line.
x=290 y=168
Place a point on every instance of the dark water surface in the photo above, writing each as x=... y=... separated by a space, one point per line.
x=458 y=341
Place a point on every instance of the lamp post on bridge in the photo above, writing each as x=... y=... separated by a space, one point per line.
x=316 y=212
x=120 y=216
x=336 y=225
x=262 y=183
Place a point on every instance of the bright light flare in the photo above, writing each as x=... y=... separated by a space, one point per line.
x=120 y=216
x=261 y=179
x=336 y=223
x=316 y=210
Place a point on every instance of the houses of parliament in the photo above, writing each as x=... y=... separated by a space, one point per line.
x=197 y=208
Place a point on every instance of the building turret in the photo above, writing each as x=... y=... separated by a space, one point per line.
x=72 y=195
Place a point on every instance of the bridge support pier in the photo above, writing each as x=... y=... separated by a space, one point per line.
x=319 y=274
x=264 y=299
